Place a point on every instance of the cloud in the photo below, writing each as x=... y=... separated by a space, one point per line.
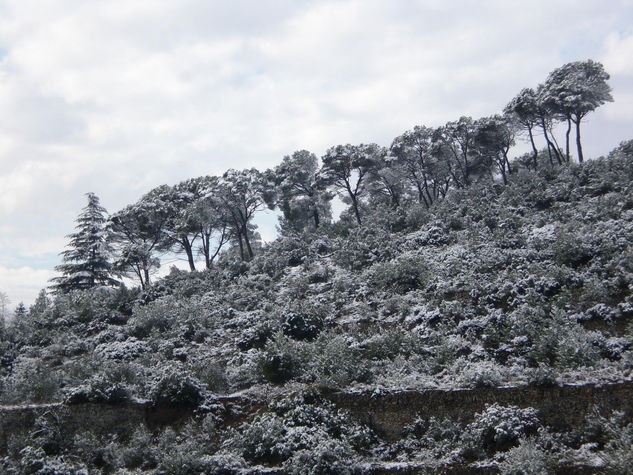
x=22 y=284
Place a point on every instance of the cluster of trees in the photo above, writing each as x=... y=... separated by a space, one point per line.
x=202 y=215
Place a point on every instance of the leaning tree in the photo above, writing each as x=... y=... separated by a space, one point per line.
x=575 y=89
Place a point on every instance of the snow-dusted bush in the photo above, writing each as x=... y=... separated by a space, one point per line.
x=282 y=359
x=98 y=390
x=175 y=387
x=126 y=350
x=401 y=275
x=498 y=428
x=302 y=326
x=528 y=458
x=305 y=434
x=35 y=460
x=30 y=381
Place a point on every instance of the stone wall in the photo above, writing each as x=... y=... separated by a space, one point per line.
x=562 y=408
x=388 y=413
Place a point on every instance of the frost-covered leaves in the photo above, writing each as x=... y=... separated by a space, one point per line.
x=305 y=435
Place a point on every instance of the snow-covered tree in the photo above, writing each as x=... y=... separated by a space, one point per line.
x=574 y=90
x=455 y=144
x=299 y=194
x=240 y=194
x=86 y=262
x=138 y=232
x=494 y=137
x=346 y=169
x=412 y=153
x=524 y=108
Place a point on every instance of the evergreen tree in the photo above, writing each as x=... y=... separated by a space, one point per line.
x=86 y=261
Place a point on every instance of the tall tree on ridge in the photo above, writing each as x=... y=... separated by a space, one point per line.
x=300 y=195
x=525 y=108
x=86 y=263
x=346 y=168
x=574 y=90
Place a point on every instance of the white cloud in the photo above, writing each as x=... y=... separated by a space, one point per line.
x=22 y=284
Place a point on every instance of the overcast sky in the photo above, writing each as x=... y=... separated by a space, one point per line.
x=119 y=96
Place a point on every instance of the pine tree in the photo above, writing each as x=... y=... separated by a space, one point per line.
x=86 y=261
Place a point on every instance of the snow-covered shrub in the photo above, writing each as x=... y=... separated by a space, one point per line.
x=282 y=359
x=302 y=325
x=498 y=428
x=158 y=315
x=98 y=390
x=126 y=350
x=480 y=374
x=175 y=387
x=528 y=458
x=617 y=453
x=542 y=377
x=35 y=461
x=329 y=457
x=333 y=362
x=30 y=381
x=390 y=344
x=571 y=249
x=304 y=433
x=401 y=275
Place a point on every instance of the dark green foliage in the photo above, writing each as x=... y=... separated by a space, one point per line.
x=399 y=275
x=98 y=390
x=176 y=388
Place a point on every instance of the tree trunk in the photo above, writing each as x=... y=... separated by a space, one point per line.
x=567 y=139
x=248 y=242
x=355 y=206
x=206 y=247
x=189 y=251
x=534 y=150
x=580 y=156
x=550 y=145
x=315 y=215
x=146 y=274
x=239 y=239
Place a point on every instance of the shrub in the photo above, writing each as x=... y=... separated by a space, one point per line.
x=498 y=428
x=304 y=434
x=527 y=459
x=281 y=360
x=98 y=390
x=401 y=275
x=303 y=322
x=30 y=381
x=177 y=388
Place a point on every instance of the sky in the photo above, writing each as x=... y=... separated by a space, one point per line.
x=117 y=97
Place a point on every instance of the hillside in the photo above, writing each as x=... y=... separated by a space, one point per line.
x=347 y=348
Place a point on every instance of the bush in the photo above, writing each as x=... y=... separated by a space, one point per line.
x=98 y=390
x=497 y=429
x=281 y=360
x=305 y=434
x=527 y=459
x=177 y=388
x=30 y=381
x=401 y=275
x=303 y=322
